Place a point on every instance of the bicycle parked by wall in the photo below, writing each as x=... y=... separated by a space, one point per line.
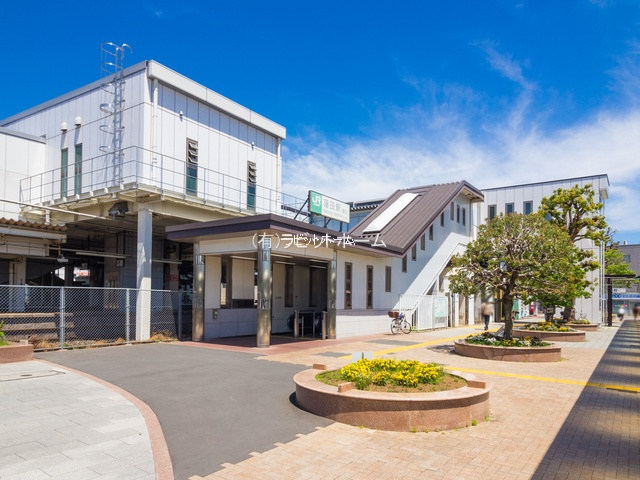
x=399 y=323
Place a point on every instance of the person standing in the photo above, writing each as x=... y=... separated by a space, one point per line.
x=636 y=311
x=486 y=310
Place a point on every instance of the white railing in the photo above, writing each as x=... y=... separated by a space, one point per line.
x=141 y=169
x=425 y=312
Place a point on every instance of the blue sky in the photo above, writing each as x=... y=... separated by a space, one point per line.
x=379 y=95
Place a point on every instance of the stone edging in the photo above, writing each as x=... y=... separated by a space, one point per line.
x=508 y=354
x=585 y=327
x=16 y=352
x=550 y=336
x=431 y=411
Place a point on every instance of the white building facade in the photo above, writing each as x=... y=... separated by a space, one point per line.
x=527 y=199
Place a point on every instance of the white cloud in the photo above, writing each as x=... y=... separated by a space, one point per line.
x=436 y=147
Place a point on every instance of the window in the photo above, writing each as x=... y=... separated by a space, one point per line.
x=404 y=263
x=431 y=232
x=423 y=241
x=64 y=171
x=508 y=208
x=414 y=252
x=288 y=285
x=78 y=163
x=369 y=286
x=192 y=167
x=347 y=285
x=464 y=216
x=251 y=185
x=627 y=258
x=458 y=213
x=492 y=212
x=442 y=219
x=453 y=211
x=387 y=279
x=225 y=285
x=527 y=208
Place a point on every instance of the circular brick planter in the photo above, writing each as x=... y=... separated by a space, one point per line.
x=585 y=327
x=16 y=352
x=550 y=336
x=508 y=354
x=444 y=410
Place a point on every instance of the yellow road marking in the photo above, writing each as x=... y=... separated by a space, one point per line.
x=404 y=348
x=547 y=379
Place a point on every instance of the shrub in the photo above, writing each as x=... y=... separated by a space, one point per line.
x=2 y=340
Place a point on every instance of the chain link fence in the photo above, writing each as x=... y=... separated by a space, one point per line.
x=66 y=317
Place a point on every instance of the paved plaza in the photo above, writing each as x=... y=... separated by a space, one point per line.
x=226 y=411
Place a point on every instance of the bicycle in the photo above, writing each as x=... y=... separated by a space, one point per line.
x=399 y=323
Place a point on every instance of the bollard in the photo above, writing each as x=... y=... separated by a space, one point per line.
x=295 y=324
x=324 y=326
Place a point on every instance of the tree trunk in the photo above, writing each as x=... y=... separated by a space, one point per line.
x=508 y=317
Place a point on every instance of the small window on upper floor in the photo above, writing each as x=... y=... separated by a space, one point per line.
x=423 y=241
x=458 y=213
x=453 y=211
x=387 y=279
x=404 y=263
x=252 y=180
x=414 y=252
x=491 y=213
x=442 y=219
x=191 y=172
x=527 y=207
x=508 y=208
x=431 y=232
x=464 y=216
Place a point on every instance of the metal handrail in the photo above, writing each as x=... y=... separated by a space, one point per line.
x=140 y=168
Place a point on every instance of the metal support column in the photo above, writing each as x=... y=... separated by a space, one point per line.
x=264 y=293
x=332 y=287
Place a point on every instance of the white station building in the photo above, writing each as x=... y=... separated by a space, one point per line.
x=147 y=179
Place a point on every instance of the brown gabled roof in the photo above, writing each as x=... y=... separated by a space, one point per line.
x=403 y=230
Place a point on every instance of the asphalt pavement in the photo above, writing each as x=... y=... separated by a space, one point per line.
x=214 y=406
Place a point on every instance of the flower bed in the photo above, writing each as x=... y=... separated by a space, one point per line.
x=548 y=327
x=491 y=339
x=551 y=335
x=16 y=352
x=388 y=374
x=585 y=327
x=490 y=346
x=405 y=411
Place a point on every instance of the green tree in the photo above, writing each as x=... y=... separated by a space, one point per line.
x=575 y=210
x=522 y=256
x=615 y=264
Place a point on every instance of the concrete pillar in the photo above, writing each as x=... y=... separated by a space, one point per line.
x=263 y=320
x=197 y=322
x=332 y=287
x=143 y=273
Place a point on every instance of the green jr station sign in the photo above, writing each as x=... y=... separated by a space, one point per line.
x=328 y=207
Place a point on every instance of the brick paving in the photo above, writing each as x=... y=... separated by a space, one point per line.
x=544 y=423
x=57 y=424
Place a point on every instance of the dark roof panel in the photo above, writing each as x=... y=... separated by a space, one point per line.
x=403 y=230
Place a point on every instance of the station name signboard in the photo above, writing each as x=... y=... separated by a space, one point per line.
x=328 y=207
